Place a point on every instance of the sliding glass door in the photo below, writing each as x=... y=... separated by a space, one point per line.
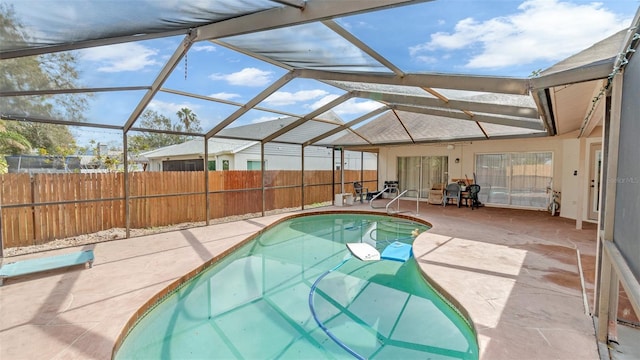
x=409 y=173
x=519 y=179
x=421 y=173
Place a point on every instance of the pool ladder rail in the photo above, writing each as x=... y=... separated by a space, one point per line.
x=396 y=200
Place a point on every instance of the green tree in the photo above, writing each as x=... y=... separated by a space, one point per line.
x=43 y=72
x=55 y=139
x=151 y=140
x=10 y=143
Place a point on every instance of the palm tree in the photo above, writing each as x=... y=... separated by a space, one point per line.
x=188 y=118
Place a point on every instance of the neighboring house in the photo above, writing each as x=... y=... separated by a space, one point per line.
x=232 y=154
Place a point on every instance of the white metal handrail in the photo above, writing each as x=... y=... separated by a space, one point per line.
x=397 y=200
x=380 y=194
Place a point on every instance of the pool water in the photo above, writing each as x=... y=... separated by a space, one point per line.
x=255 y=303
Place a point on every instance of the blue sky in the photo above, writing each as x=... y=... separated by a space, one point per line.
x=486 y=37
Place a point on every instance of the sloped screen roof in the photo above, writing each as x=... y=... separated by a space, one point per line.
x=290 y=43
x=66 y=22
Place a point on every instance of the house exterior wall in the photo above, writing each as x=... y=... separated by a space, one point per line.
x=466 y=153
x=221 y=159
x=575 y=186
x=565 y=150
x=570 y=185
x=280 y=157
x=287 y=157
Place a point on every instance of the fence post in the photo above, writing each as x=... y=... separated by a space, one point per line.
x=33 y=208
x=262 y=163
x=126 y=185
x=206 y=181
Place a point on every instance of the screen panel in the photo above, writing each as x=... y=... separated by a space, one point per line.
x=627 y=226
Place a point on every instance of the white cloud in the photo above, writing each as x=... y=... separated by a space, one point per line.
x=547 y=30
x=245 y=77
x=169 y=109
x=349 y=107
x=121 y=57
x=205 y=48
x=225 y=96
x=426 y=59
x=357 y=24
x=281 y=98
x=325 y=100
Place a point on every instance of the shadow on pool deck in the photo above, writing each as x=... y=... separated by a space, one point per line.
x=517 y=275
x=515 y=272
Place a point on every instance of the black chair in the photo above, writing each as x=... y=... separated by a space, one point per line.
x=472 y=196
x=360 y=191
x=451 y=192
x=391 y=188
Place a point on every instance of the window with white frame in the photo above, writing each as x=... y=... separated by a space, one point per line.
x=254 y=165
x=519 y=179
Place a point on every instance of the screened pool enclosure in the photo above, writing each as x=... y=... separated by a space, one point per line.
x=296 y=81
x=307 y=97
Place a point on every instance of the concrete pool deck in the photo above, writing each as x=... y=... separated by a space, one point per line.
x=515 y=272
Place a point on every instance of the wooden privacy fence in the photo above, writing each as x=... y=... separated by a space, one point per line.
x=38 y=208
x=43 y=207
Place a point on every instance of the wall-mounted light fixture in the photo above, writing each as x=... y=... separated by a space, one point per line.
x=450 y=147
x=457 y=160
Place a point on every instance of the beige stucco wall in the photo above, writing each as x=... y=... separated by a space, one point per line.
x=566 y=159
x=570 y=186
x=466 y=151
x=577 y=186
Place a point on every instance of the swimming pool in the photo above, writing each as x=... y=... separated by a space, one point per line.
x=295 y=292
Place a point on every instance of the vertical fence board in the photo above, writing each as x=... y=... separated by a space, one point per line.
x=77 y=191
x=69 y=196
x=41 y=195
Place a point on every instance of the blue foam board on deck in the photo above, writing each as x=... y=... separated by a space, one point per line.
x=30 y=266
x=397 y=251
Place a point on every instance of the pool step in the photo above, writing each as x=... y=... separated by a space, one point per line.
x=401 y=227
